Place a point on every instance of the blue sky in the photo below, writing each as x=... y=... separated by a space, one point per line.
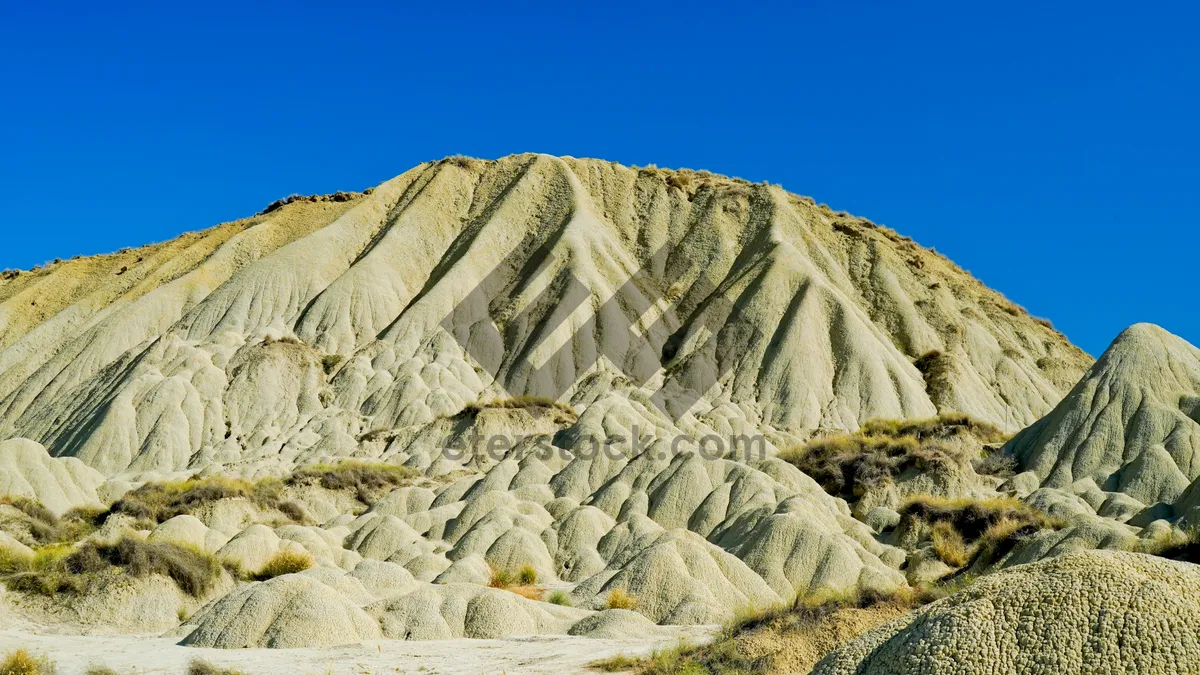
x=1050 y=150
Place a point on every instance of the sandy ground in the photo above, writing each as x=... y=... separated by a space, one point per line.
x=73 y=654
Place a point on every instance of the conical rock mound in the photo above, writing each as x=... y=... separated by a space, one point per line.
x=1132 y=424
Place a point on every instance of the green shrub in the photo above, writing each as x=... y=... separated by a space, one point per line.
x=559 y=598
x=284 y=562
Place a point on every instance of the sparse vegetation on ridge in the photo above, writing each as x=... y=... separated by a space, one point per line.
x=965 y=531
x=158 y=502
x=63 y=569
x=742 y=649
x=41 y=526
x=368 y=480
x=846 y=465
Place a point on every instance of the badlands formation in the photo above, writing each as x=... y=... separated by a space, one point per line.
x=545 y=396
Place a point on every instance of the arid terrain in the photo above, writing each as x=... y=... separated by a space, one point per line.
x=547 y=414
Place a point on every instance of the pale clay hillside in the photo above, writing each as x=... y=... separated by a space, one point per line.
x=238 y=438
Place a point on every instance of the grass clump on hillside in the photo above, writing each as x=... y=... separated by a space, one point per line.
x=43 y=527
x=21 y=662
x=59 y=569
x=965 y=531
x=619 y=598
x=367 y=480
x=284 y=562
x=159 y=502
x=846 y=465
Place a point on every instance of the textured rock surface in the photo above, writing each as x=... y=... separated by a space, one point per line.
x=289 y=611
x=1132 y=424
x=168 y=358
x=1085 y=613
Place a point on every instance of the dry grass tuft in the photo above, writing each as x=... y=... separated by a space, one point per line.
x=101 y=669
x=619 y=598
x=967 y=531
x=949 y=546
x=527 y=592
x=501 y=579
x=202 y=667
x=284 y=562
x=21 y=662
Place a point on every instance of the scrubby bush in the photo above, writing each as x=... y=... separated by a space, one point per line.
x=559 y=598
x=59 y=569
x=284 y=562
x=966 y=531
x=100 y=670
x=619 y=598
x=46 y=528
x=996 y=464
x=847 y=465
x=1176 y=544
x=21 y=662
x=159 y=502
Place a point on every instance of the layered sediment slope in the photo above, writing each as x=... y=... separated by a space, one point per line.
x=727 y=305
x=553 y=303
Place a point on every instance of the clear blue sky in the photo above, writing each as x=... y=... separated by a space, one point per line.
x=1051 y=148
